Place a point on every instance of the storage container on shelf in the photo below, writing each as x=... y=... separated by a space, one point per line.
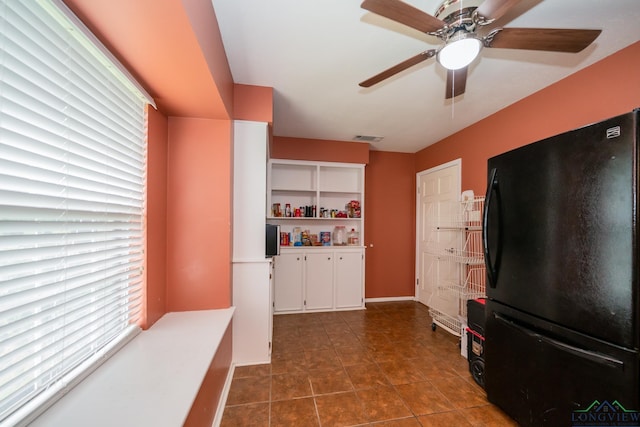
x=339 y=236
x=297 y=236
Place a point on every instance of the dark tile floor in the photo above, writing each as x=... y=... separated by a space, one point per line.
x=382 y=366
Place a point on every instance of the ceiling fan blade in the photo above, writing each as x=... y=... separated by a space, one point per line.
x=548 y=39
x=404 y=13
x=456 y=82
x=398 y=68
x=494 y=9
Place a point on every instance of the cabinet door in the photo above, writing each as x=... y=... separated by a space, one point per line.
x=288 y=282
x=252 y=318
x=272 y=281
x=319 y=281
x=348 y=279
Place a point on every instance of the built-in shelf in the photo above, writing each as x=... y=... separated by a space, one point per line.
x=317 y=278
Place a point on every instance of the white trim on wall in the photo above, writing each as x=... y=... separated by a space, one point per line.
x=389 y=299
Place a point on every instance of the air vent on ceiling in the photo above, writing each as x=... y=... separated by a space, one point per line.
x=368 y=138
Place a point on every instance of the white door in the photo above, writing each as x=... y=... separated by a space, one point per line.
x=288 y=282
x=318 y=281
x=437 y=189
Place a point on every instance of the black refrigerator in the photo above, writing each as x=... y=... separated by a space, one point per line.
x=561 y=248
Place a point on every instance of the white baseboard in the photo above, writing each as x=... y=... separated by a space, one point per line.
x=390 y=299
x=223 y=397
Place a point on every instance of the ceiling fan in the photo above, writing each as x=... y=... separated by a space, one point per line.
x=455 y=23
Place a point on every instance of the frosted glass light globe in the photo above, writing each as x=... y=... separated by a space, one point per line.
x=459 y=52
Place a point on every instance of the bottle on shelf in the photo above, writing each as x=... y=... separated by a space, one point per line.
x=353 y=238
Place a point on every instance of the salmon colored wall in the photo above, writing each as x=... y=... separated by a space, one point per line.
x=172 y=47
x=389 y=225
x=203 y=410
x=253 y=103
x=199 y=214
x=605 y=89
x=156 y=253
x=204 y=25
x=319 y=150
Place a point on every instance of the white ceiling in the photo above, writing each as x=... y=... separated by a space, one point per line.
x=315 y=52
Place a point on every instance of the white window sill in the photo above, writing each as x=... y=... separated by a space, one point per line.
x=152 y=381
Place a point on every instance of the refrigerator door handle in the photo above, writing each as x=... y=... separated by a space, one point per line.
x=568 y=348
x=492 y=271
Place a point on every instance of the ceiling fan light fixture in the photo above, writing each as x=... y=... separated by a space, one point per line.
x=460 y=51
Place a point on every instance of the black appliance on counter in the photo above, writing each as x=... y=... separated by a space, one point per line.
x=272 y=240
x=561 y=248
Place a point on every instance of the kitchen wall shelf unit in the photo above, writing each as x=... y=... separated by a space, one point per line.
x=319 y=279
x=457 y=259
x=329 y=186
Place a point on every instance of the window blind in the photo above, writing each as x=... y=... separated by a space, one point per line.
x=72 y=198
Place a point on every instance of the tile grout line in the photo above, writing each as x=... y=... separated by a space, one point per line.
x=357 y=328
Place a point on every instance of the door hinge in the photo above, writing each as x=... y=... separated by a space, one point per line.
x=418 y=282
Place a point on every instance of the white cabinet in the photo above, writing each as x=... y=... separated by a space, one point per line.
x=252 y=320
x=313 y=198
x=251 y=296
x=319 y=279
x=288 y=293
x=348 y=279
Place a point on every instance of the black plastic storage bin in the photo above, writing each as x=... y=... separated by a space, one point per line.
x=475 y=356
x=476 y=315
x=475 y=339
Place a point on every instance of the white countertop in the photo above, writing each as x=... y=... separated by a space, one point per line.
x=152 y=381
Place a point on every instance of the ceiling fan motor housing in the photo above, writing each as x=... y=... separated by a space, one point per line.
x=447 y=7
x=459 y=17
